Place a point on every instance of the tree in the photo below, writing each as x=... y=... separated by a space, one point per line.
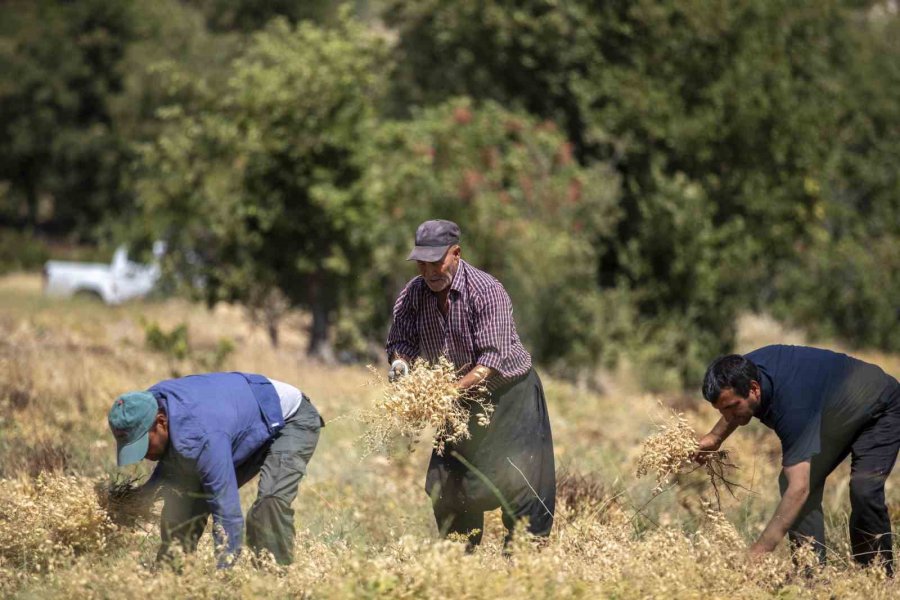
x=251 y=15
x=259 y=188
x=61 y=68
x=851 y=264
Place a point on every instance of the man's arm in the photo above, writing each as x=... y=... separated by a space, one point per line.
x=215 y=465
x=792 y=501
x=718 y=434
x=492 y=329
x=403 y=337
x=474 y=377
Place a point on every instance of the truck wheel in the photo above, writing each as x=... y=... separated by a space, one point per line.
x=89 y=295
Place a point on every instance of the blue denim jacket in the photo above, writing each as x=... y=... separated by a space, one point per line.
x=216 y=422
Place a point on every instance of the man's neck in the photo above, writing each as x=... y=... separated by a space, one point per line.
x=765 y=395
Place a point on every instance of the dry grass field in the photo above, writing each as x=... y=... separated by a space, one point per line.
x=364 y=525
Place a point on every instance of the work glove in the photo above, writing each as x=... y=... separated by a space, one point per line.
x=399 y=368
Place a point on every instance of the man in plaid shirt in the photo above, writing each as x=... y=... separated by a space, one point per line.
x=453 y=309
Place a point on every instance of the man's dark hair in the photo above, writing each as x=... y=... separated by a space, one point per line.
x=731 y=371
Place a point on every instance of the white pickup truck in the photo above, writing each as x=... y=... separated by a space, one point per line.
x=114 y=283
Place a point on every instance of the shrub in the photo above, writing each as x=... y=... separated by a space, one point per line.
x=583 y=495
x=47 y=521
x=173 y=344
x=176 y=347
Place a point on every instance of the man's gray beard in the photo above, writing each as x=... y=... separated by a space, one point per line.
x=450 y=276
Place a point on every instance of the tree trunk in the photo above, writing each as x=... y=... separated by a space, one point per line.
x=272 y=328
x=319 y=344
x=31 y=199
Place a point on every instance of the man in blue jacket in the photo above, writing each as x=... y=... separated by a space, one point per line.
x=211 y=434
x=824 y=406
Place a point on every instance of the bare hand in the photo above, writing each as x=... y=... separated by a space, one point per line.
x=757 y=551
x=708 y=443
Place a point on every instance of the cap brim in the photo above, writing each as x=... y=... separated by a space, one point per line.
x=134 y=452
x=428 y=253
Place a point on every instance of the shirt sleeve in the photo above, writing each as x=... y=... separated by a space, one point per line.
x=403 y=337
x=215 y=466
x=800 y=438
x=492 y=328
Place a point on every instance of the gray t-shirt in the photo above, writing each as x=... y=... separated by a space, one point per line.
x=290 y=397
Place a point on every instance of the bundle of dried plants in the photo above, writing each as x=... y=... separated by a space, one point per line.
x=427 y=397
x=674 y=450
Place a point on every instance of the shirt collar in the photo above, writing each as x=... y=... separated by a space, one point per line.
x=457 y=284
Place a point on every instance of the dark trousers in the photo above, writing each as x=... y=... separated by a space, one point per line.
x=873 y=452
x=508 y=465
x=280 y=464
x=467 y=518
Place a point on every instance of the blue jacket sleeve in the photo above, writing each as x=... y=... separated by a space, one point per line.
x=215 y=465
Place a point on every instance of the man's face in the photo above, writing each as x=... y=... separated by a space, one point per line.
x=438 y=275
x=159 y=437
x=738 y=409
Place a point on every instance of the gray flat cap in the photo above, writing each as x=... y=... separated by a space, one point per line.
x=433 y=239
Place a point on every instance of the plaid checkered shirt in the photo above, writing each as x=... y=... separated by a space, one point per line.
x=478 y=329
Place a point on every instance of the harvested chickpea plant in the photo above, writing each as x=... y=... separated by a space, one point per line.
x=425 y=398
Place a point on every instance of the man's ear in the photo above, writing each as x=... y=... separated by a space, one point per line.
x=755 y=388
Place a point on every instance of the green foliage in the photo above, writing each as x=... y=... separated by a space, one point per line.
x=844 y=283
x=864 y=190
x=176 y=347
x=213 y=360
x=172 y=51
x=858 y=282
x=259 y=187
x=21 y=251
x=173 y=344
x=736 y=95
x=686 y=273
x=250 y=15
x=59 y=68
